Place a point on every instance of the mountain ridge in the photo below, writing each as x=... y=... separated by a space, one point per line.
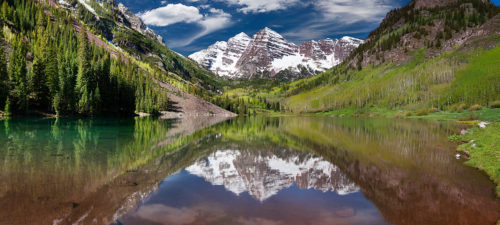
x=267 y=54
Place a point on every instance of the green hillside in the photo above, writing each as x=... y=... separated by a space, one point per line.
x=418 y=60
x=49 y=66
x=108 y=25
x=445 y=82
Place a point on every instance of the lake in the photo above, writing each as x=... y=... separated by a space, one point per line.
x=247 y=170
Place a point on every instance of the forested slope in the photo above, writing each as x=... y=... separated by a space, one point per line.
x=68 y=60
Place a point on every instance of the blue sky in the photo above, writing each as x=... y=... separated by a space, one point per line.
x=188 y=26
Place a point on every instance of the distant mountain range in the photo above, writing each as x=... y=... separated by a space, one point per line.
x=267 y=55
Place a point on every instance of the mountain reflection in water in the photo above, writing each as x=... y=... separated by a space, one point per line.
x=278 y=186
x=251 y=170
x=263 y=174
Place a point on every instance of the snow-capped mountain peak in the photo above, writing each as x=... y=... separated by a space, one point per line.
x=240 y=36
x=270 y=33
x=222 y=56
x=268 y=54
x=350 y=39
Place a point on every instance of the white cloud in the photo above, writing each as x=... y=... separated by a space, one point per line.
x=261 y=6
x=351 y=11
x=315 y=32
x=163 y=2
x=216 y=11
x=214 y=20
x=342 y=17
x=359 y=8
x=171 y=14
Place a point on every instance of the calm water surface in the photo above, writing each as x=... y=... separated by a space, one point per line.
x=288 y=170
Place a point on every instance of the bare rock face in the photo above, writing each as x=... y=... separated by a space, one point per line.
x=127 y=17
x=265 y=47
x=137 y=24
x=431 y=3
x=268 y=54
x=320 y=50
x=344 y=46
x=435 y=3
x=432 y=37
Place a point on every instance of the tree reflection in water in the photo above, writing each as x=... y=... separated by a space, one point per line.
x=97 y=171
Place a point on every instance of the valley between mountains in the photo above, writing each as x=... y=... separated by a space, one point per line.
x=104 y=121
x=424 y=57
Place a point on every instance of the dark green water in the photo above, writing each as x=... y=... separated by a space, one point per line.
x=287 y=170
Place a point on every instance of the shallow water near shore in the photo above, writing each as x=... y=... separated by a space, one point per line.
x=248 y=170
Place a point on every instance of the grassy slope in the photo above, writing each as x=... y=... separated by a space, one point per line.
x=483 y=146
x=458 y=77
x=485 y=114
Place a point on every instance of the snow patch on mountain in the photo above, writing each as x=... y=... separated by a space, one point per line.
x=88 y=7
x=288 y=61
x=350 y=40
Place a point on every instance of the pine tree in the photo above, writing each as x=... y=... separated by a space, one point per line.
x=7 y=107
x=38 y=84
x=96 y=101
x=51 y=71
x=18 y=77
x=64 y=100
x=5 y=11
x=40 y=18
x=84 y=70
x=107 y=91
x=4 y=78
x=39 y=79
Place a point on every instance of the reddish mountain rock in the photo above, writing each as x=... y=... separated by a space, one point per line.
x=268 y=54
